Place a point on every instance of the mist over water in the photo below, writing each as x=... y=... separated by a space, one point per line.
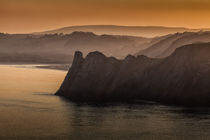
x=29 y=110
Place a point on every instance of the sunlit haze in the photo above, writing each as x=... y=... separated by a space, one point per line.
x=22 y=16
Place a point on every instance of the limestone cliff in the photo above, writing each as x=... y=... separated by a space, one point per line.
x=182 y=78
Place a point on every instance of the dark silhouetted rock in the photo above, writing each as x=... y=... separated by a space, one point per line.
x=182 y=78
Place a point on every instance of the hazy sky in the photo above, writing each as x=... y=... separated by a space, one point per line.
x=18 y=16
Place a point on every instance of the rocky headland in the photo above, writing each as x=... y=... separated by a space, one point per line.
x=183 y=78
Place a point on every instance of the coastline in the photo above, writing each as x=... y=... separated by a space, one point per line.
x=62 y=67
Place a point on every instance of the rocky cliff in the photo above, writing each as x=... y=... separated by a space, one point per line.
x=182 y=78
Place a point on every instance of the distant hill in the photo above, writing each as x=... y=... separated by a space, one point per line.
x=59 y=48
x=167 y=45
x=182 y=78
x=144 y=31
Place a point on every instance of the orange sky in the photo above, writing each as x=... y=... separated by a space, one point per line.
x=21 y=16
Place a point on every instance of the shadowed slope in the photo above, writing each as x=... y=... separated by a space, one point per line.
x=182 y=78
x=59 y=48
x=168 y=45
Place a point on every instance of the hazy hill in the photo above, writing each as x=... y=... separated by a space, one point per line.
x=145 y=31
x=167 y=45
x=182 y=78
x=59 y=48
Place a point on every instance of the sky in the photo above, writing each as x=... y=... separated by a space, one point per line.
x=25 y=16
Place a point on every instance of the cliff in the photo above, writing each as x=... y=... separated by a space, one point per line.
x=182 y=78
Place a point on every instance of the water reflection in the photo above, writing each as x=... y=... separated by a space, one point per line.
x=29 y=110
x=127 y=121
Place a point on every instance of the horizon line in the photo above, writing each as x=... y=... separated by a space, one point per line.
x=116 y=25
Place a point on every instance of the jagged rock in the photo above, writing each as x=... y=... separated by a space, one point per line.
x=182 y=78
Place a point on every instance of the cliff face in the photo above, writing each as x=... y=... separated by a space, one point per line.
x=182 y=78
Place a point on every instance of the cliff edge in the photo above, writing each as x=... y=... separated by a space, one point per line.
x=182 y=78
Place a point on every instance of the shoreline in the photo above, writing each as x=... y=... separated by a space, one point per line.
x=62 y=67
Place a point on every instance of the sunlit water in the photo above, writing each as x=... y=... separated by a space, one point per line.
x=29 y=110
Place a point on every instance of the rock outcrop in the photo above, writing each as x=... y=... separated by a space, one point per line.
x=183 y=78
